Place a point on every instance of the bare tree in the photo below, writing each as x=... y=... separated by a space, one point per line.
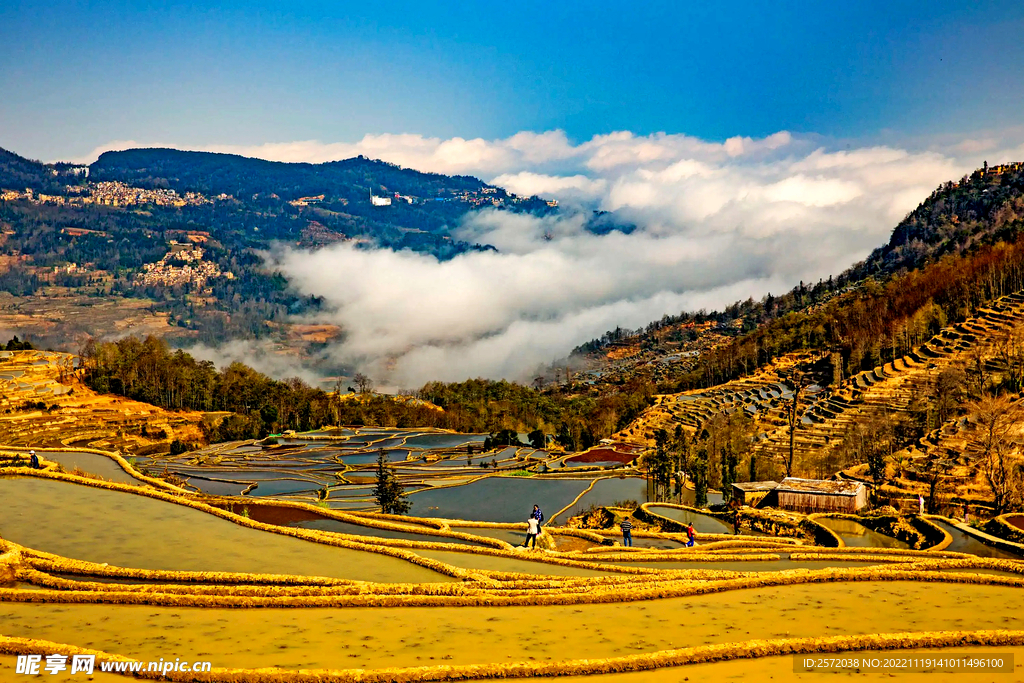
x=1010 y=351
x=976 y=373
x=948 y=394
x=1000 y=454
x=363 y=383
x=793 y=418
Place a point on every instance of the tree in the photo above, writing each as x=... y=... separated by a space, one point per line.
x=793 y=418
x=729 y=463
x=949 y=393
x=364 y=383
x=564 y=438
x=506 y=437
x=700 y=478
x=877 y=444
x=660 y=466
x=1000 y=457
x=934 y=471
x=389 y=492
x=16 y=344
x=537 y=439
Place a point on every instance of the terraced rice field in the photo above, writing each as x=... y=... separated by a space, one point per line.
x=99 y=526
x=826 y=415
x=370 y=592
x=375 y=638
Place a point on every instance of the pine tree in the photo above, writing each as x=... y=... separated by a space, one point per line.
x=389 y=492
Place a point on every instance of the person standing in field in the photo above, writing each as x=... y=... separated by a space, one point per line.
x=691 y=536
x=537 y=515
x=627 y=532
x=532 y=529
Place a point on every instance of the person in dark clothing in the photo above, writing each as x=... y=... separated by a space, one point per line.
x=537 y=515
x=33 y=460
x=627 y=532
x=736 y=524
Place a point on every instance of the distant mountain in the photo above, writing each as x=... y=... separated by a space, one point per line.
x=19 y=173
x=94 y=230
x=211 y=173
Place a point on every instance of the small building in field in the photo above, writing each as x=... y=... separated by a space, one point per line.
x=751 y=492
x=817 y=495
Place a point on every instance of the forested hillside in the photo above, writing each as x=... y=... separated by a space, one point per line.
x=981 y=208
x=149 y=370
x=240 y=176
x=956 y=250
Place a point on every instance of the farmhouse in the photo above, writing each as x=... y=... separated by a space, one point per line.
x=815 y=495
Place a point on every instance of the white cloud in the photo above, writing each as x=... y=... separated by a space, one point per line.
x=529 y=184
x=715 y=222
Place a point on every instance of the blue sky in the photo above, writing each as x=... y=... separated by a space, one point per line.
x=76 y=75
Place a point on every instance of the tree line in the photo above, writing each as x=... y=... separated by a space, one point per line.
x=150 y=370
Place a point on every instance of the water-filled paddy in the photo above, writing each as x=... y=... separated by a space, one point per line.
x=274 y=487
x=857 y=535
x=513 y=536
x=598 y=463
x=382 y=637
x=752 y=565
x=92 y=463
x=497 y=499
x=702 y=524
x=599 y=455
x=607 y=492
x=444 y=440
x=503 y=564
x=662 y=543
x=133 y=531
x=965 y=543
x=359 y=530
x=218 y=488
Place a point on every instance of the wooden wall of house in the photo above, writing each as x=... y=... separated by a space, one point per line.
x=818 y=502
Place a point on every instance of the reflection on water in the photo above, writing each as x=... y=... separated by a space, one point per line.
x=701 y=523
x=965 y=543
x=127 y=530
x=360 y=530
x=92 y=463
x=497 y=499
x=607 y=492
x=857 y=535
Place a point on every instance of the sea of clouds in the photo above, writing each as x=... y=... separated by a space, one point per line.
x=716 y=222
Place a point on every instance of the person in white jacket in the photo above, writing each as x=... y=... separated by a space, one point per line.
x=532 y=529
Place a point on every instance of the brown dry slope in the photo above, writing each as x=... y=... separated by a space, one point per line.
x=44 y=404
x=827 y=415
